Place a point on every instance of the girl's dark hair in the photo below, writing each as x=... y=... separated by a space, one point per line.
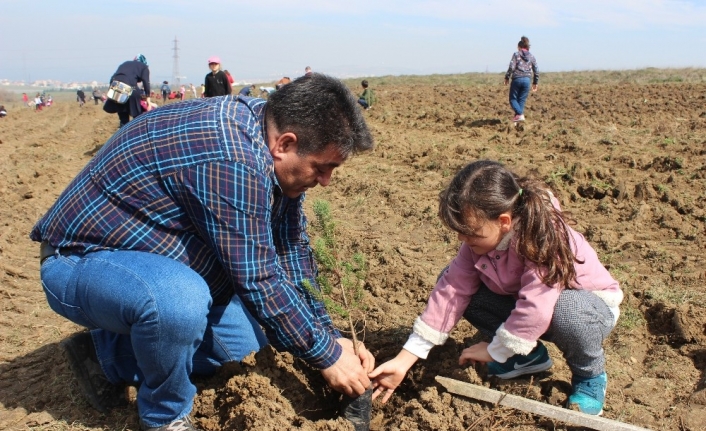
x=483 y=190
x=523 y=43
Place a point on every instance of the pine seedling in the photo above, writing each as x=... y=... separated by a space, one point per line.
x=336 y=274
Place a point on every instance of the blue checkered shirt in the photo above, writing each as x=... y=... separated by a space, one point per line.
x=194 y=181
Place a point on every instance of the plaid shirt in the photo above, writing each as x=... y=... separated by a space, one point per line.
x=195 y=182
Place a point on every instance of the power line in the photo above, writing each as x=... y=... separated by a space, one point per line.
x=175 y=69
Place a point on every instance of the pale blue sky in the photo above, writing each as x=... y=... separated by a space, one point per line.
x=81 y=40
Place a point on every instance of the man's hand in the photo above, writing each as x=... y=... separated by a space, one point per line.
x=534 y=87
x=507 y=81
x=349 y=374
x=389 y=375
x=475 y=353
x=366 y=358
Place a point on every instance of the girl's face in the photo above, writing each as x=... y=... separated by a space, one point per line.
x=486 y=235
x=214 y=67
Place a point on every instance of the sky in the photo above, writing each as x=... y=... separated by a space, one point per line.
x=264 y=40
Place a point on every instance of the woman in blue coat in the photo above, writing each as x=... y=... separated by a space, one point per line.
x=131 y=73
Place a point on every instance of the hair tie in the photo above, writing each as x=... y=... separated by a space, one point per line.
x=519 y=192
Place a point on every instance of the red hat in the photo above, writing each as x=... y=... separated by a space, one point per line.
x=214 y=59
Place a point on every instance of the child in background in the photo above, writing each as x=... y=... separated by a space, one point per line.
x=216 y=82
x=166 y=91
x=522 y=67
x=38 y=103
x=231 y=80
x=521 y=274
x=182 y=92
x=367 y=98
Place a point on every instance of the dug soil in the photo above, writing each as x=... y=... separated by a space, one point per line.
x=627 y=160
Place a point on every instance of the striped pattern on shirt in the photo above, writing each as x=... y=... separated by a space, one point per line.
x=195 y=181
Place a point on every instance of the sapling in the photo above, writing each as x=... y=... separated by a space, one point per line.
x=348 y=276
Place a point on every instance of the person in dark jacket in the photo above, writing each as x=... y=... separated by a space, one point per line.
x=247 y=90
x=523 y=67
x=80 y=97
x=166 y=91
x=131 y=73
x=216 y=82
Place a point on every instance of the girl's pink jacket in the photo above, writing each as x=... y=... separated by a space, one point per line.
x=504 y=272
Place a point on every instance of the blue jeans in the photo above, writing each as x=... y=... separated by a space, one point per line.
x=153 y=323
x=519 y=90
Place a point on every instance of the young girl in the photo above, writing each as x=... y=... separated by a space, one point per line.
x=522 y=66
x=521 y=274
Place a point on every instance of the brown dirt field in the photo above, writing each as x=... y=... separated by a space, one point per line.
x=627 y=160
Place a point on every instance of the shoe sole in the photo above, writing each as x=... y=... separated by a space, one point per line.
x=577 y=408
x=81 y=375
x=72 y=356
x=536 y=368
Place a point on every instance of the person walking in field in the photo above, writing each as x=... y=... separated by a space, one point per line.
x=216 y=82
x=521 y=275
x=522 y=74
x=38 y=103
x=97 y=96
x=165 y=91
x=184 y=239
x=193 y=90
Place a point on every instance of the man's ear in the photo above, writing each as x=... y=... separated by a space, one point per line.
x=284 y=145
x=505 y=220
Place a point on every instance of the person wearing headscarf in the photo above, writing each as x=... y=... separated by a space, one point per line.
x=130 y=73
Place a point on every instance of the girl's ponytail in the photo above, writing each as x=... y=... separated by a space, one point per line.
x=542 y=234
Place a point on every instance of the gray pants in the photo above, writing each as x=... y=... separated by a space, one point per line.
x=580 y=324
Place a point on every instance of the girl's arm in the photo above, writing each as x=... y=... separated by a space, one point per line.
x=510 y=68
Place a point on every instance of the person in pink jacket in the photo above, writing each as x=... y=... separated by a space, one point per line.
x=521 y=274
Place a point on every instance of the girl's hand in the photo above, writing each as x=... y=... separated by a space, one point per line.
x=475 y=353
x=389 y=375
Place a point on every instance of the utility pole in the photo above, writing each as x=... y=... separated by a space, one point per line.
x=175 y=68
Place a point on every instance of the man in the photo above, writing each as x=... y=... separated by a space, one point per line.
x=97 y=97
x=247 y=90
x=185 y=234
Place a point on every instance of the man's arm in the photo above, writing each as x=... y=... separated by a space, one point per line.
x=296 y=257
x=229 y=204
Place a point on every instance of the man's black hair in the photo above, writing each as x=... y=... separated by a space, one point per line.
x=320 y=110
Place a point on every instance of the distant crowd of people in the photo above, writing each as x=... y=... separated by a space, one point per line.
x=130 y=93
